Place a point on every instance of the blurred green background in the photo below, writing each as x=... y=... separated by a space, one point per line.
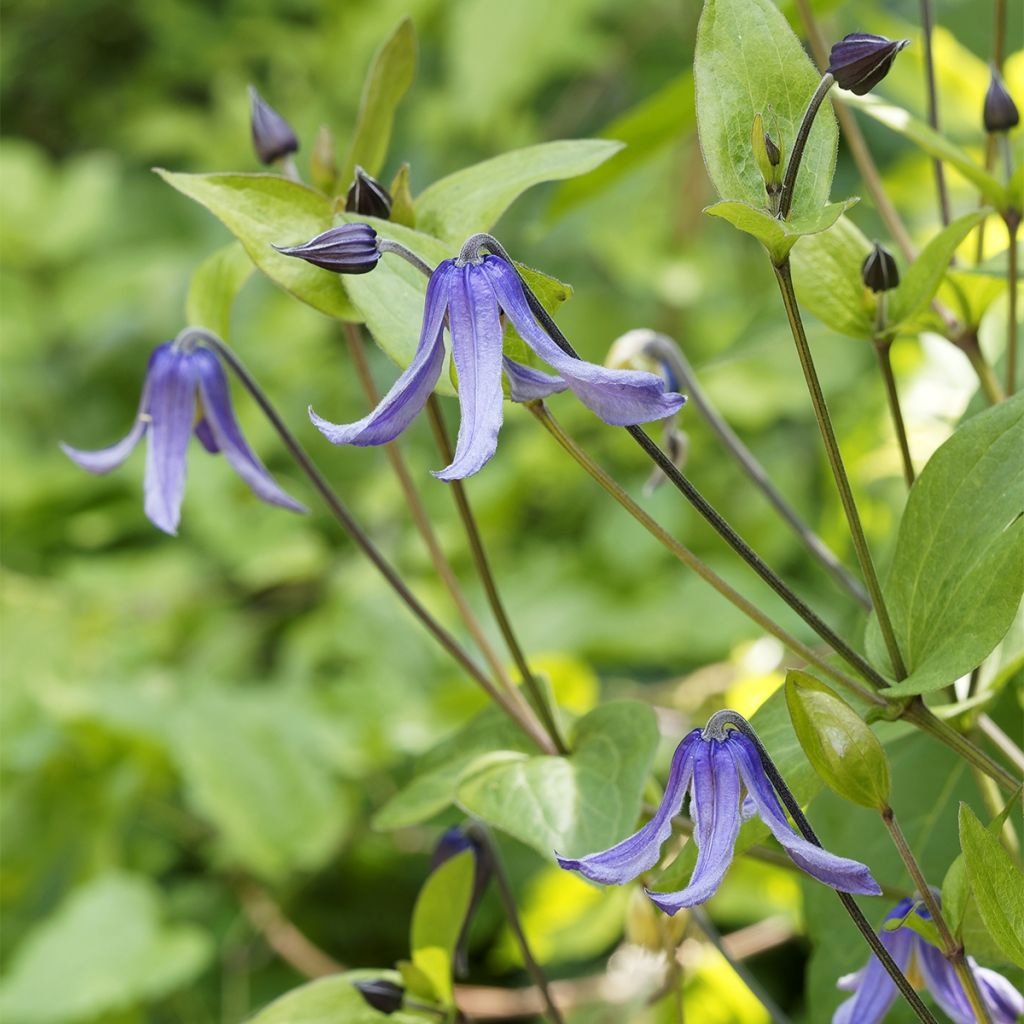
x=194 y=727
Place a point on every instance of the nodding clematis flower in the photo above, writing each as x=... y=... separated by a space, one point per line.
x=716 y=766
x=183 y=379
x=925 y=967
x=471 y=293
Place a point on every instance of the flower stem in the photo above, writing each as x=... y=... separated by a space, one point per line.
x=688 y=558
x=529 y=725
x=789 y=182
x=664 y=349
x=952 y=950
x=785 y=278
x=885 y=365
x=508 y=900
x=483 y=568
x=804 y=827
x=968 y=344
x=1012 y=282
x=745 y=975
x=933 y=108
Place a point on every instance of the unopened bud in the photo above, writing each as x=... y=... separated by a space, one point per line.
x=323 y=165
x=384 y=996
x=346 y=249
x=272 y=135
x=841 y=748
x=859 y=61
x=767 y=155
x=879 y=271
x=1000 y=112
x=368 y=197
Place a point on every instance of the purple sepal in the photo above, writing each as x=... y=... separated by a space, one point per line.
x=525 y=384
x=859 y=61
x=346 y=249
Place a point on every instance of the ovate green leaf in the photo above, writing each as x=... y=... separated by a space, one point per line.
x=748 y=60
x=214 y=286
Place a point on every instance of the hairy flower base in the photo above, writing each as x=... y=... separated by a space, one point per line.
x=183 y=379
x=471 y=296
x=926 y=967
x=716 y=772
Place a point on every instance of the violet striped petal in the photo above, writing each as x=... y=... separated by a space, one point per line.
x=219 y=417
x=640 y=852
x=838 y=872
x=714 y=807
x=172 y=407
x=1003 y=1001
x=619 y=397
x=874 y=990
x=476 y=349
x=107 y=459
x=205 y=436
x=397 y=409
x=525 y=384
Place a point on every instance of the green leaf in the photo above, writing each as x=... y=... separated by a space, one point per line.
x=842 y=749
x=331 y=1000
x=104 y=950
x=958 y=571
x=913 y=920
x=925 y=274
x=971 y=293
x=263 y=210
x=996 y=883
x=403 y=209
x=255 y=774
x=748 y=60
x=215 y=284
x=934 y=144
x=390 y=75
x=575 y=804
x=474 y=198
x=778 y=236
x=437 y=921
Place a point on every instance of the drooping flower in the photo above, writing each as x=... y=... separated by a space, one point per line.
x=471 y=294
x=368 y=197
x=1000 y=113
x=272 y=135
x=346 y=249
x=185 y=392
x=716 y=770
x=879 y=271
x=925 y=967
x=859 y=61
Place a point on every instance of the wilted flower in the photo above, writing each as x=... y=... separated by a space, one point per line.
x=1000 y=112
x=925 y=967
x=272 y=135
x=384 y=996
x=472 y=293
x=859 y=61
x=879 y=271
x=185 y=391
x=715 y=770
x=346 y=249
x=368 y=197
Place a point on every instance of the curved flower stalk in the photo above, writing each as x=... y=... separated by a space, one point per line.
x=927 y=968
x=716 y=767
x=185 y=392
x=471 y=293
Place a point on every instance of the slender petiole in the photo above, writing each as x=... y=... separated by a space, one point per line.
x=803 y=132
x=933 y=108
x=883 y=346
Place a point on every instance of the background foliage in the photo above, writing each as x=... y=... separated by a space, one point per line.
x=192 y=727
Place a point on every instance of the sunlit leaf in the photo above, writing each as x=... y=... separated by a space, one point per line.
x=214 y=286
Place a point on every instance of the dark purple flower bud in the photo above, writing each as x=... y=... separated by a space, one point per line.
x=346 y=249
x=1000 y=112
x=879 y=271
x=272 y=135
x=859 y=61
x=368 y=197
x=385 y=996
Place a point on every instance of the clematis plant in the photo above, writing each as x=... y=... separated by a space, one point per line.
x=185 y=393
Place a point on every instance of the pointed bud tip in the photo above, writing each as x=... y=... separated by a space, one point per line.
x=1000 y=113
x=383 y=996
x=859 y=61
x=368 y=197
x=879 y=271
x=272 y=135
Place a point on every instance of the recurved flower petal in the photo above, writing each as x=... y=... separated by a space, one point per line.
x=874 y=991
x=223 y=427
x=172 y=406
x=839 y=872
x=619 y=397
x=410 y=392
x=714 y=800
x=640 y=852
x=525 y=384
x=476 y=349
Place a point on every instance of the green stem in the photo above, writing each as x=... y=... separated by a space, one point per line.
x=688 y=558
x=885 y=365
x=785 y=278
x=933 y=108
x=480 y=560
x=362 y=540
x=968 y=344
x=803 y=132
x=951 y=949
